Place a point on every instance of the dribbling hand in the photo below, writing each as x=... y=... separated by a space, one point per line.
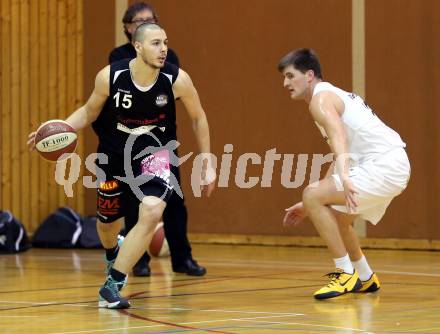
x=31 y=141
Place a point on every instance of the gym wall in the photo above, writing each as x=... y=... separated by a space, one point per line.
x=231 y=50
x=41 y=77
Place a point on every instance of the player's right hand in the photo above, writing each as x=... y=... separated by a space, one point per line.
x=294 y=215
x=208 y=178
x=350 y=193
x=31 y=141
x=208 y=189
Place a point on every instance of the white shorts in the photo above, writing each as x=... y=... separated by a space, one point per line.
x=377 y=182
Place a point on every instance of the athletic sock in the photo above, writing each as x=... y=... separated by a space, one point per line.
x=111 y=253
x=117 y=275
x=344 y=264
x=363 y=268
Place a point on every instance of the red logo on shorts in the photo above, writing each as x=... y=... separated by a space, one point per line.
x=108 y=206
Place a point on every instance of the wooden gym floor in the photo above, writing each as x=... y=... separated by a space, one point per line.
x=247 y=289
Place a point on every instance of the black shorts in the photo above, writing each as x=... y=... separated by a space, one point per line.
x=114 y=194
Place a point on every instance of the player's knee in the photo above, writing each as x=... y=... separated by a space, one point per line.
x=104 y=226
x=309 y=198
x=150 y=212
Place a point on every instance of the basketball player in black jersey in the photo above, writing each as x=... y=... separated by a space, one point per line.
x=135 y=15
x=133 y=103
x=175 y=216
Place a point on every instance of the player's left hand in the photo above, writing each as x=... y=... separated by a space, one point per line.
x=350 y=193
x=294 y=215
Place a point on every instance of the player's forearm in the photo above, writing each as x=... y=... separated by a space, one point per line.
x=80 y=118
x=342 y=162
x=330 y=170
x=201 y=131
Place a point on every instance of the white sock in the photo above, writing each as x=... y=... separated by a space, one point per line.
x=363 y=269
x=344 y=263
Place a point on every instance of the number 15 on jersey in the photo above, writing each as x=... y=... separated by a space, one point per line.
x=125 y=101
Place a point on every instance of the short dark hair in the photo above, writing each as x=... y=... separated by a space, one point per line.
x=139 y=32
x=131 y=12
x=302 y=60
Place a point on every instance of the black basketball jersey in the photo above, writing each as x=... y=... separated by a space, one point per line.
x=140 y=111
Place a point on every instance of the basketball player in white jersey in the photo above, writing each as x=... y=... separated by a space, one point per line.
x=370 y=168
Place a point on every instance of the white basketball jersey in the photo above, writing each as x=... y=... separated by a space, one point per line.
x=367 y=135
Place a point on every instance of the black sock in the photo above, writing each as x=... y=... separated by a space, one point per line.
x=117 y=275
x=111 y=253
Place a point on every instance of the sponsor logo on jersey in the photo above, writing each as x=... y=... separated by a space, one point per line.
x=140 y=130
x=161 y=100
x=124 y=91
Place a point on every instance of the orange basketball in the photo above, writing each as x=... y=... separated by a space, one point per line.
x=159 y=245
x=54 y=138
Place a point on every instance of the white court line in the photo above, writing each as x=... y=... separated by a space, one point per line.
x=159 y=308
x=94 y=305
x=294 y=263
x=312 y=325
x=219 y=311
x=19 y=316
x=283 y=314
x=308 y=266
x=26 y=302
x=262 y=264
x=180 y=323
x=45 y=303
x=67 y=257
x=109 y=329
x=408 y=273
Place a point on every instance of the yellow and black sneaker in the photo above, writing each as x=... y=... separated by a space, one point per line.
x=370 y=285
x=340 y=284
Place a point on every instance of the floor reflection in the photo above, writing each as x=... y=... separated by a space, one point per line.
x=355 y=311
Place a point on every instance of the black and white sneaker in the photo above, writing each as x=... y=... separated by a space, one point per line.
x=109 y=296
